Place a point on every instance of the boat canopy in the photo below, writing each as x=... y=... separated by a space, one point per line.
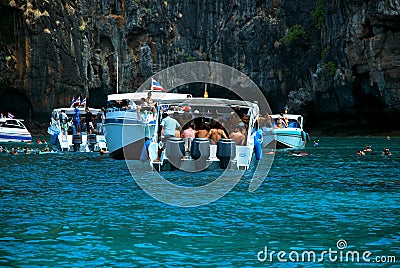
x=155 y=95
x=289 y=116
x=70 y=111
x=209 y=102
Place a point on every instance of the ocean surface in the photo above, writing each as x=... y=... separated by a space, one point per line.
x=86 y=210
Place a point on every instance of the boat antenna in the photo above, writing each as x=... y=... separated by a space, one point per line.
x=117 y=74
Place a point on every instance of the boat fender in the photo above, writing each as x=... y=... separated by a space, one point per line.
x=144 y=154
x=258 y=144
x=54 y=139
x=303 y=136
x=257 y=149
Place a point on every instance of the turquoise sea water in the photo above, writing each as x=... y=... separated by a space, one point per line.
x=85 y=210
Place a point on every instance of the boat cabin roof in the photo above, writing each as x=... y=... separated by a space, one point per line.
x=209 y=102
x=289 y=116
x=70 y=111
x=155 y=95
x=11 y=123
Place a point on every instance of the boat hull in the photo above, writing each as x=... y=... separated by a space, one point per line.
x=14 y=135
x=125 y=138
x=63 y=144
x=284 y=138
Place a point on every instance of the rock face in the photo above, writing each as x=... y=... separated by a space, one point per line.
x=322 y=58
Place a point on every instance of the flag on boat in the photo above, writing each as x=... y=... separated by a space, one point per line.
x=10 y=115
x=155 y=85
x=83 y=103
x=72 y=103
x=78 y=100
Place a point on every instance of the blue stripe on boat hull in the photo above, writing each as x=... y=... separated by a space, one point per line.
x=15 y=138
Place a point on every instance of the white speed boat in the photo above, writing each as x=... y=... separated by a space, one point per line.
x=82 y=142
x=203 y=153
x=123 y=117
x=13 y=130
x=291 y=135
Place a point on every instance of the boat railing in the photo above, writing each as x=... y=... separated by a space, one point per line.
x=143 y=117
x=123 y=109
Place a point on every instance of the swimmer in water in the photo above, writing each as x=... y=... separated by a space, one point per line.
x=386 y=152
x=360 y=153
x=368 y=148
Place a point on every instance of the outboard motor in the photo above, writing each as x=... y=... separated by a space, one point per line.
x=200 y=152
x=175 y=150
x=77 y=141
x=226 y=151
x=91 y=141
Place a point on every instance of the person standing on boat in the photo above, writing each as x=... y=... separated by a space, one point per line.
x=188 y=134
x=99 y=121
x=76 y=119
x=64 y=125
x=168 y=127
x=88 y=120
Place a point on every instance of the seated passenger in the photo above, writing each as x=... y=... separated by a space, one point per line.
x=217 y=133
x=279 y=122
x=238 y=136
x=147 y=104
x=233 y=121
x=266 y=121
x=202 y=131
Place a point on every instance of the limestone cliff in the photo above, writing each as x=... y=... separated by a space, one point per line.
x=322 y=58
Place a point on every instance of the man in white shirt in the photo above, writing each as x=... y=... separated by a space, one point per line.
x=168 y=127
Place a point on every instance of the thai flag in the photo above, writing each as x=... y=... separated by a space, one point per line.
x=155 y=85
x=78 y=100
x=83 y=103
x=72 y=103
x=10 y=115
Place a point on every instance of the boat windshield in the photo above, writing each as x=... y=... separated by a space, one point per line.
x=11 y=124
x=118 y=104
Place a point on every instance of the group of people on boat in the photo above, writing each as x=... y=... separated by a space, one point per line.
x=189 y=125
x=90 y=123
x=144 y=105
x=281 y=121
x=368 y=150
